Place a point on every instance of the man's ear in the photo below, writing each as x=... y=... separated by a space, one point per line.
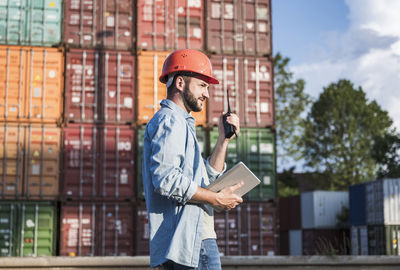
x=179 y=83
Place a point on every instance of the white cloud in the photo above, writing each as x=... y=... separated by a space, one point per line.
x=368 y=54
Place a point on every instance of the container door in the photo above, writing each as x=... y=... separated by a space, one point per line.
x=295 y=243
x=227 y=227
x=12 y=22
x=8 y=229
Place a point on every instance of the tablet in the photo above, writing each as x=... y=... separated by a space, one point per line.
x=237 y=173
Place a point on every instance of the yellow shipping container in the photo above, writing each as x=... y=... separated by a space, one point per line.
x=31 y=84
x=29 y=161
x=151 y=91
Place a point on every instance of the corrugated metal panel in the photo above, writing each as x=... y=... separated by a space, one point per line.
x=100 y=24
x=382 y=202
x=170 y=25
x=105 y=92
x=96 y=229
x=239 y=27
x=29 y=161
x=326 y=242
x=32 y=79
x=98 y=162
x=201 y=135
x=383 y=240
x=289 y=213
x=258 y=152
x=358 y=215
x=142 y=231
x=249 y=229
x=283 y=242
x=233 y=152
x=250 y=85
x=295 y=243
x=36 y=23
x=27 y=229
x=151 y=91
x=359 y=240
x=320 y=208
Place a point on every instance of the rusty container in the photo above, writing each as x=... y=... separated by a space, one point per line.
x=99 y=24
x=170 y=25
x=96 y=229
x=30 y=161
x=151 y=91
x=247 y=230
x=99 y=162
x=250 y=85
x=31 y=79
x=239 y=27
x=104 y=92
x=142 y=232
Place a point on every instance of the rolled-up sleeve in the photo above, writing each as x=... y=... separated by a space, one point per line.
x=211 y=172
x=167 y=160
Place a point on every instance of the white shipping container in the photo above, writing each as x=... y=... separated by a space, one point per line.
x=320 y=208
x=295 y=243
x=359 y=240
x=383 y=202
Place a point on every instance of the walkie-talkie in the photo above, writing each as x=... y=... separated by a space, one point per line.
x=229 y=129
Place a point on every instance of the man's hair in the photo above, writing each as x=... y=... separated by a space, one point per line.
x=186 y=79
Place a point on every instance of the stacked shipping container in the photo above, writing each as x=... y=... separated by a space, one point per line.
x=72 y=118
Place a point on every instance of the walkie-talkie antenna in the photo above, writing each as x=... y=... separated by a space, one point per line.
x=227 y=98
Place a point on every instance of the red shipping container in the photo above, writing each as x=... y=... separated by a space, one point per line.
x=170 y=25
x=104 y=92
x=99 y=24
x=250 y=84
x=98 y=162
x=290 y=213
x=239 y=27
x=142 y=231
x=96 y=229
x=249 y=229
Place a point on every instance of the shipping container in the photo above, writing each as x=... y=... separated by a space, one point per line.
x=383 y=202
x=32 y=23
x=319 y=209
x=96 y=229
x=99 y=162
x=289 y=213
x=100 y=86
x=254 y=147
x=142 y=231
x=358 y=215
x=29 y=156
x=383 y=240
x=32 y=83
x=170 y=25
x=295 y=243
x=99 y=24
x=250 y=84
x=249 y=229
x=239 y=27
x=284 y=248
x=326 y=242
x=359 y=240
x=151 y=91
x=27 y=228
x=201 y=135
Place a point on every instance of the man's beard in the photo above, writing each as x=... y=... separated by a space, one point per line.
x=190 y=100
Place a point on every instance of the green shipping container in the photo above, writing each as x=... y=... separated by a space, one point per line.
x=201 y=138
x=27 y=229
x=383 y=240
x=255 y=147
x=30 y=22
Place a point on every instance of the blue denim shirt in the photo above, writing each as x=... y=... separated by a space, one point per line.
x=172 y=171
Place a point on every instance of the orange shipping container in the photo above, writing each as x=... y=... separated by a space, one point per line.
x=29 y=161
x=151 y=91
x=31 y=80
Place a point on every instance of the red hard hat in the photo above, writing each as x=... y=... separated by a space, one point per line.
x=190 y=61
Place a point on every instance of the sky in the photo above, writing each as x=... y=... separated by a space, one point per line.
x=328 y=40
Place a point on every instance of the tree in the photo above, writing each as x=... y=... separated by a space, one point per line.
x=290 y=104
x=339 y=134
x=386 y=153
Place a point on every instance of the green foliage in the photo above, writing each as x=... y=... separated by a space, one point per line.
x=287 y=183
x=339 y=134
x=290 y=104
x=386 y=152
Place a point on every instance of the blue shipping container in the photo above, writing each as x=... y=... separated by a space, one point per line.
x=358 y=216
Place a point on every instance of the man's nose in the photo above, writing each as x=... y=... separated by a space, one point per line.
x=206 y=94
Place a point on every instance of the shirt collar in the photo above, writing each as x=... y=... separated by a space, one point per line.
x=172 y=105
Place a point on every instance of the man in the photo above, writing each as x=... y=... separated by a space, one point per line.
x=175 y=175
